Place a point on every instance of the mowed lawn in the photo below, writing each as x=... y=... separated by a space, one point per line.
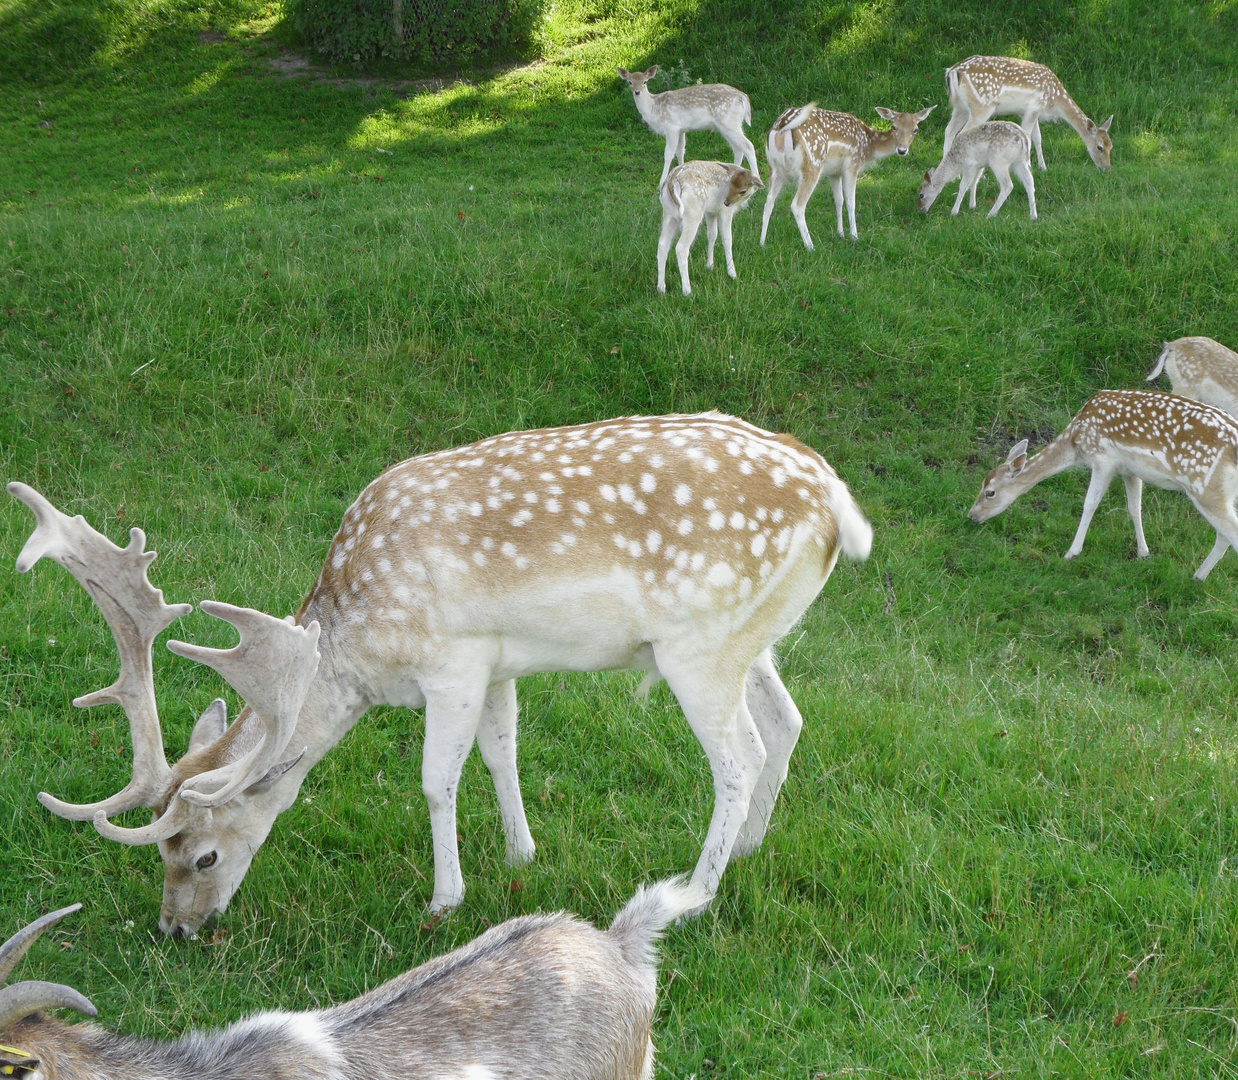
x=229 y=298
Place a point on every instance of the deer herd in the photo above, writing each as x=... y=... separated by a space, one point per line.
x=806 y=143
x=681 y=546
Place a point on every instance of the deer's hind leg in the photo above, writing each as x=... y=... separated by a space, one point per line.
x=807 y=185
x=1004 y=185
x=779 y=722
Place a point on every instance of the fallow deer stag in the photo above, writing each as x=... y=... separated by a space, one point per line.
x=1202 y=369
x=807 y=143
x=1168 y=441
x=711 y=107
x=684 y=546
x=984 y=86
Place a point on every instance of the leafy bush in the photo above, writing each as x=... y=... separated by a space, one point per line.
x=433 y=32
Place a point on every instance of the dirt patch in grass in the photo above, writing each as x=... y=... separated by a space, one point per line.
x=294 y=65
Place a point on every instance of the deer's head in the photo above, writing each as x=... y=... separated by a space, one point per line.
x=999 y=490
x=905 y=125
x=1097 y=140
x=637 y=79
x=214 y=808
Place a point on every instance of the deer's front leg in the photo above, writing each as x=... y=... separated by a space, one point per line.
x=496 y=739
x=1099 y=484
x=724 y=226
x=668 y=157
x=452 y=716
x=711 y=235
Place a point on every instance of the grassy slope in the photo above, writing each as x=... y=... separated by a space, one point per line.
x=225 y=308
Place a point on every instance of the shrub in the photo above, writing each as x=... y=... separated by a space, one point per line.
x=432 y=32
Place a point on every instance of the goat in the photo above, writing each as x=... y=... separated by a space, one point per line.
x=701 y=189
x=539 y=995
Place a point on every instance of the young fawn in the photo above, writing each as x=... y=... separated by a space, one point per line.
x=673 y=113
x=708 y=190
x=998 y=145
x=808 y=143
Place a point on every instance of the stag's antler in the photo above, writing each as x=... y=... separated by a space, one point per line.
x=24 y=998
x=271 y=668
x=134 y=609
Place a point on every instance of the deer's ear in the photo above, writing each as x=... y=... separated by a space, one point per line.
x=651 y=72
x=1018 y=455
x=211 y=724
x=17 y=1063
x=623 y=72
x=885 y=114
x=1105 y=125
x=923 y=113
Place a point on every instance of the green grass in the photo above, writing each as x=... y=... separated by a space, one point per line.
x=228 y=299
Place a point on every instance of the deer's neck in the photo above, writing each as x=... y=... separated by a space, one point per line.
x=1057 y=457
x=876 y=145
x=1062 y=107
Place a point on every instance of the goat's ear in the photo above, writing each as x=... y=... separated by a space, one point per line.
x=17 y=1063
x=273 y=774
x=211 y=724
x=1105 y=125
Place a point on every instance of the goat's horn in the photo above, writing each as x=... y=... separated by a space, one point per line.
x=23 y=998
x=15 y=948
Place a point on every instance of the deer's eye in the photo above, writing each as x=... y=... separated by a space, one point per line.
x=208 y=860
x=989 y=493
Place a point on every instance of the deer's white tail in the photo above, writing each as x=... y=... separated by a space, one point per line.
x=638 y=926
x=952 y=83
x=788 y=121
x=855 y=534
x=1160 y=362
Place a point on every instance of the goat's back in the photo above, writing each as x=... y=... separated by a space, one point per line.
x=541 y=995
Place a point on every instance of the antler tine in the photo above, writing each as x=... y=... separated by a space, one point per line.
x=16 y=947
x=271 y=668
x=134 y=609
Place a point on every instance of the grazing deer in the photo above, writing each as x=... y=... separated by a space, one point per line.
x=985 y=86
x=1168 y=441
x=673 y=113
x=701 y=189
x=809 y=142
x=539 y=995
x=1202 y=369
x=999 y=145
x=683 y=546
